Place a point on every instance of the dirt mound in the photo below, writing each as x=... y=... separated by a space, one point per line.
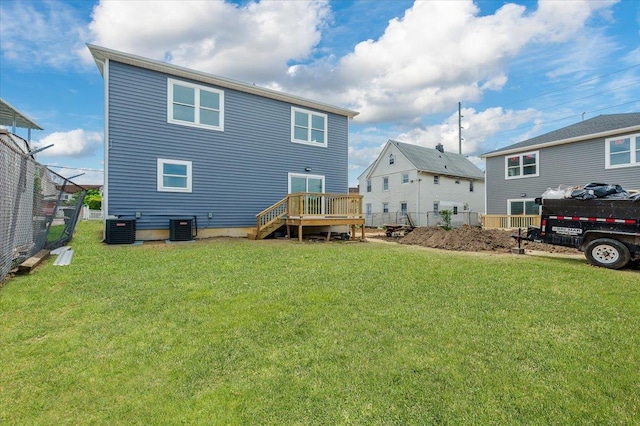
x=468 y=238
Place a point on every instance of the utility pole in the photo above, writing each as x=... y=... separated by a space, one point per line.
x=459 y=127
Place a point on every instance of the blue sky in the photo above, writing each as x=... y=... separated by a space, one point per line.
x=519 y=68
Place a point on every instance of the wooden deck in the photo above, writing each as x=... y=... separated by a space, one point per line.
x=304 y=209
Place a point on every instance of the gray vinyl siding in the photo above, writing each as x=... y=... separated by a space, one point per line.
x=236 y=173
x=570 y=164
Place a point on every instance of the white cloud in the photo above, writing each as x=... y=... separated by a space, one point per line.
x=440 y=53
x=76 y=143
x=252 y=43
x=45 y=33
x=477 y=128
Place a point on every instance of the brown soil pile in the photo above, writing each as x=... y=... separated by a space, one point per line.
x=468 y=238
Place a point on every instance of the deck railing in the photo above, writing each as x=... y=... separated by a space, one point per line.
x=506 y=221
x=307 y=205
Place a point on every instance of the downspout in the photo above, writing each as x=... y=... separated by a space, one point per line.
x=107 y=143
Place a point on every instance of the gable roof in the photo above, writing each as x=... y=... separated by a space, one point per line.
x=600 y=126
x=100 y=54
x=433 y=161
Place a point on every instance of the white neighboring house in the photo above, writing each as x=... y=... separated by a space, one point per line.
x=412 y=184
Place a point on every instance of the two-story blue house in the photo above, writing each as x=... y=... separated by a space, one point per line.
x=181 y=143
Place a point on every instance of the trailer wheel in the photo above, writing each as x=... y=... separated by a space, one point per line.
x=607 y=253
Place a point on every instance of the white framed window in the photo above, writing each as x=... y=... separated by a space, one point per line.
x=305 y=183
x=455 y=209
x=385 y=207
x=405 y=178
x=457 y=181
x=308 y=127
x=622 y=151
x=174 y=175
x=522 y=206
x=436 y=208
x=470 y=186
x=522 y=165
x=436 y=180
x=368 y=209
x=385 y=183
x=392 y=159
x=193 y=105
x=403 y=209
x=368 y=185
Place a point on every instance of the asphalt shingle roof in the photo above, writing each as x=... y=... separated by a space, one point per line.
x=444 y=163
x=599 y=124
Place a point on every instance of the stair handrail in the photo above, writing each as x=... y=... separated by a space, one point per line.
x=271 y=214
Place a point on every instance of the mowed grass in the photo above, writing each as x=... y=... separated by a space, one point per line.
x=231 y=331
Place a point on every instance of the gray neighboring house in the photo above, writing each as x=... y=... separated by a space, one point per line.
x=181 y=143
x=419 y=182
x=602 y=149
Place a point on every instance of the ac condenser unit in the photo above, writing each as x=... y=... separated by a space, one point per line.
x=180 y=229
x=120 y=231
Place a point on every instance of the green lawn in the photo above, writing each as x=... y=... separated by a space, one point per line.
x=284 y=333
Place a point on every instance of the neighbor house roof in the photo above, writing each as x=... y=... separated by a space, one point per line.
x=436 y=162
x=597 y=127
x=10 y=116
x=100 y=54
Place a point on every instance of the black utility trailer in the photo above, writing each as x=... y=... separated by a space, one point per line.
x=607 y=230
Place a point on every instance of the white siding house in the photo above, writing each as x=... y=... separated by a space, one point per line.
x=412 y=184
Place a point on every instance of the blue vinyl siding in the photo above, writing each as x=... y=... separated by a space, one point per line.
x=236 y=173
x=570 y=164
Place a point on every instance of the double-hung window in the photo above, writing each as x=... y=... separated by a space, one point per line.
x=194 y=105
x=308 y=127
x=385 y=183
x=368 y=185
x=174 y=175
x=522 y=165
x=405 y=178
x=622 y=151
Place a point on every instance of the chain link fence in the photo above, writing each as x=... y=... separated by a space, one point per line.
x=32 y=214
x=380 y=219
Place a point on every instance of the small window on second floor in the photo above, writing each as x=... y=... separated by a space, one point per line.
x=436 y=180
x=308 y=127
x=392 y=159
x=194 y=105
x=470 y=186
x=368 y=185
x=405 y=178
x=385 y=183
x=522 y=165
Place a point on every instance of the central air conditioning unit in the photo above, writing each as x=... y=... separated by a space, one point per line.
x=120 y=231
x=180 y=229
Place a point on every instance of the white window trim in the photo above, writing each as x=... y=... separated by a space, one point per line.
x=160 y=180
x=634 y=160
x=170 y=119
x=524 y=200
x=310 y=113
x=299 y=175
x=402 y=175
x=383 y=179
x=521 y=176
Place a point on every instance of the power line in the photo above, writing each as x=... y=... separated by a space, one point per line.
x=76 y=168
x=573 y=85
